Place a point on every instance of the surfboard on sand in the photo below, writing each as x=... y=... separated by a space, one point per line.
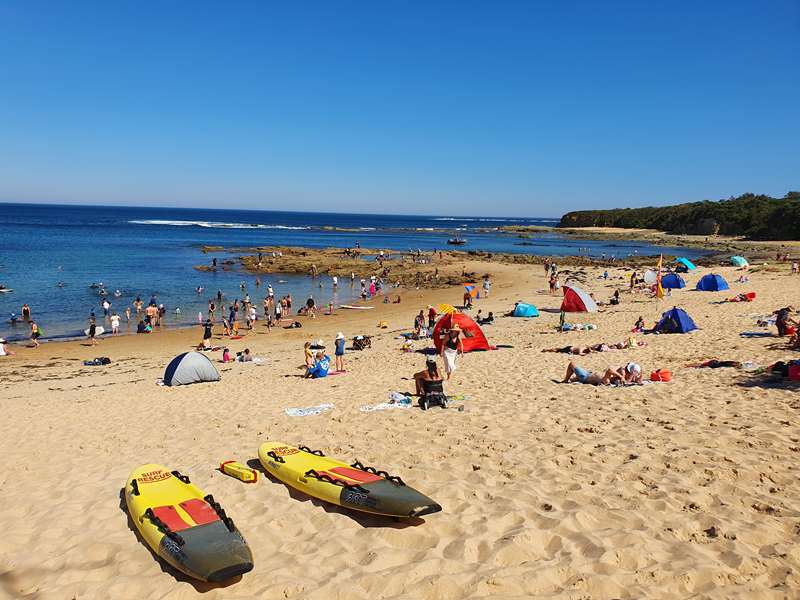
x=353 y=486
x=351 y=307
x=185 y=527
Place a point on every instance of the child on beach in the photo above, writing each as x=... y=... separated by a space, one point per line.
x=339 y=351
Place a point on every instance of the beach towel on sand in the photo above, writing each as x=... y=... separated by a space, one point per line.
x=308 y=411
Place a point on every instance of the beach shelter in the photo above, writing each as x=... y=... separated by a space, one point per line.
x=675 y=320
x=672 y=281
x=712 y=283
x=739 y=261
x=471 y=288
x=576 y=300
x=190 y=367
x=650 y=277
x=686 y=263
x=525 y=310
x=472 y=337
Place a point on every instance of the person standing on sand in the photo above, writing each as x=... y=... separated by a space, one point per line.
x=36 y=333
x=451 y=348
x=208 y=328
x=92 y=332
x=114 y=324
x=487 y=286
x=431 y=317
x=339 y=351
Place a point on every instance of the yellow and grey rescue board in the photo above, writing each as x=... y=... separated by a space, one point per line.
x=352 y=486
x=185 y=527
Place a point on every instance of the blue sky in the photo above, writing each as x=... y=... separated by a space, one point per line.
x=468 y=107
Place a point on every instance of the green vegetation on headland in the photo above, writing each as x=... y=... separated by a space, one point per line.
x=756 y=217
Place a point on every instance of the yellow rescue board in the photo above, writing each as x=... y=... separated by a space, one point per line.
x=184 y=526
x=352 y=486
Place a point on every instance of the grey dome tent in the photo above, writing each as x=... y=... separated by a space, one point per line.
x=190 y=367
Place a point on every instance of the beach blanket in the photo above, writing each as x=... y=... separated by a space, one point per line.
x=385 y=406
x=308 y=411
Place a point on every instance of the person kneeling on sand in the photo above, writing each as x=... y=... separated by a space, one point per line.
x=629 y=374
x=322 y=363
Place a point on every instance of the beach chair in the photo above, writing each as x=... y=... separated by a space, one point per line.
x=433 y=395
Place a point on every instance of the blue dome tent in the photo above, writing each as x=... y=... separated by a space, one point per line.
x=712 y=283
x=525 y=310
x=672 y=281
x=675 y=320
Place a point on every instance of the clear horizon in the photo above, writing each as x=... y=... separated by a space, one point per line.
x=449 y=109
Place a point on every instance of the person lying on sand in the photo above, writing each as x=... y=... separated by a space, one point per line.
x=582 y=350
x=629 y=374
x=430 y=373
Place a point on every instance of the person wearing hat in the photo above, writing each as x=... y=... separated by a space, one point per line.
x=4 y=351
x=628 y=374
x=451 y=348
x=431 y=317
x=339 y=351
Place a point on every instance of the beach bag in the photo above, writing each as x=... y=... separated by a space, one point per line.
x=661 y=375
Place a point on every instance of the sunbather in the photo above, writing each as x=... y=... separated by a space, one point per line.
x=628 y=374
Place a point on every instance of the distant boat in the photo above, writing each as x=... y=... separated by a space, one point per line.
x=457 y=241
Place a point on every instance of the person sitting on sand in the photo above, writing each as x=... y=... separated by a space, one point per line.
x=783 y=321
x=639 y=325
x=244 y=356
x=487 y=320
x=629 y=374
x=309 y=355
x=322 y=363
x=4 y=351
x=429 y=373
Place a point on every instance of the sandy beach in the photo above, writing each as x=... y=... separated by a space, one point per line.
x=668 y=490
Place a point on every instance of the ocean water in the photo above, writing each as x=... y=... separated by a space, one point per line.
x=151 y=252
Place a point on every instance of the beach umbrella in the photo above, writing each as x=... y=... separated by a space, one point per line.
x=471 y=289
x=739 y=261
x=446 y=309
x=686 y=262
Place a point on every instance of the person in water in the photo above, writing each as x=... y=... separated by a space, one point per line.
x=26 y=313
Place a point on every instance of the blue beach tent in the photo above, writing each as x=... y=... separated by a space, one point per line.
x=675 y=320
x=712 y=283
x=672 y=281
x=686 y=263
x=739 y=261
x=525 y=310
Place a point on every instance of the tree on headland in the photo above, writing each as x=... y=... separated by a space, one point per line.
x=758 y=217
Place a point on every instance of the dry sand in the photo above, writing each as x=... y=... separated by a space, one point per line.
x=674 y=490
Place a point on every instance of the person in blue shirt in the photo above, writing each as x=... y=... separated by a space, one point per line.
x=339 y=351
x=322 y=362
